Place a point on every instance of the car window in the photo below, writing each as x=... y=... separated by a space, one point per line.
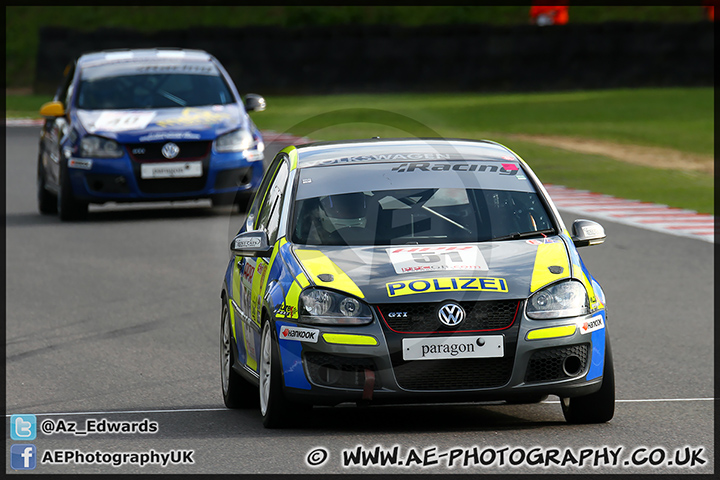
x=269 y=215
x=352 y=206
x=102 y=87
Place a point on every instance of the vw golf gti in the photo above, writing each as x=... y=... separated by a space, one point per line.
x=411 y=270
x=147 y=125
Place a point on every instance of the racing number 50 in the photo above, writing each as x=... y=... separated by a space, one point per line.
x=435 y=257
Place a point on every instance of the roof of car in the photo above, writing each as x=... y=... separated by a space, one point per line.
x=142 y=54
x=377 y=150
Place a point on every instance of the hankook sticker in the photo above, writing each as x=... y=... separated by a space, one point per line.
x=299 y=334
x=595 y=323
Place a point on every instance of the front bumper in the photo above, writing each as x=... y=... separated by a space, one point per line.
x=328 y=373
x=100 y=180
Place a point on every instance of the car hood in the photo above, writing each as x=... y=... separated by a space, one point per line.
x=188 y=123
x=430 y=273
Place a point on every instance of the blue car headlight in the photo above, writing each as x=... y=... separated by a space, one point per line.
x=564 y=299
x=99 y=147
x=239 y=141
x=325 y=307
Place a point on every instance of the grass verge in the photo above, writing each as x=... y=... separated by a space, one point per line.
x=676 y=118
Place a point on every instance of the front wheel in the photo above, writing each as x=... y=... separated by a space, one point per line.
x=273 y=406
x=598 y=407
x=237 y=392
x=47 y=202
x=68 y=207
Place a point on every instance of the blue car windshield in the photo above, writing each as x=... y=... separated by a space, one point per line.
x=372 y=205
x=151 y=88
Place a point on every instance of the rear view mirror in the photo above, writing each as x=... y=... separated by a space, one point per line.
x=254 y=103
x=587 y=232
x=251 y=244
x=52 y=109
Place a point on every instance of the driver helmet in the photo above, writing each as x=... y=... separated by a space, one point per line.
x=344 y=210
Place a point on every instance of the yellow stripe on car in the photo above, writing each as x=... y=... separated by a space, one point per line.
x=549 y=255
x=346 y=339
x=551 y=332
x=292 y=155
x=317 y=263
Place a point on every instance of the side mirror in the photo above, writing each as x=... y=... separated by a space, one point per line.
x=587 y=232
x=251 y=244
x=52 y=109
x=254 y=103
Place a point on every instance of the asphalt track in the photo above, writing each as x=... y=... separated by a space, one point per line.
x=117 y=318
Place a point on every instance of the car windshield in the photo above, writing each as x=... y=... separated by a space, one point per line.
x=151 y=86
x=373 y=205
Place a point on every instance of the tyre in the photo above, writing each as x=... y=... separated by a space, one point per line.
x=598 y=407
x=68 y=207
x=273 y=406
x=47 y=202
x=236 y=391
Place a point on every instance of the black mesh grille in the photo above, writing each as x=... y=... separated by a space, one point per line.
x=454 y=374
x=172 y=185
x=337 y=371
x=107 y=183
x=546 y=365
x=423 y=318
x=152 y=152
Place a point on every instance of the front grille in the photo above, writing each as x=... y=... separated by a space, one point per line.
x=172 y=185
x=454 y=374
x=152 y=152
x=423 y=318
x=337 y=371
x=547 y=364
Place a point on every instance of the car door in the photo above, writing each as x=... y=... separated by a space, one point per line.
x=250 y=275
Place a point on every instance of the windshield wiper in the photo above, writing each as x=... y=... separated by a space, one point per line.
x=518 y=235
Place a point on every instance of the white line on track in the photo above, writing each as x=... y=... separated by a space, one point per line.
x=182 y=410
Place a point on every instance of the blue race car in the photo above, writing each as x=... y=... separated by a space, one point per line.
x=423 y=270
x=147 y=125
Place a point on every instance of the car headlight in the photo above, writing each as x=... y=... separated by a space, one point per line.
x=238 y=141
x=565 y=299
x=99 y=147
x=325 y=307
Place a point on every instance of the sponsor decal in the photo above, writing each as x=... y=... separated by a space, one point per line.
x=193 y=116
x=299 y=334
x=456 y=167
x=120 y=121
x=595 y=323
x=436 y=257
x=489 y=346
x=175 y=68
x=251 y=242
x=248 y=272
x=157 y=136
x=286 y=311
x=170 y=170
x=542 y=241
x=382 y=157
x=82 y=164
x=447 y=284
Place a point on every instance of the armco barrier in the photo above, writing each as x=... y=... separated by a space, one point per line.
x=339 y=59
